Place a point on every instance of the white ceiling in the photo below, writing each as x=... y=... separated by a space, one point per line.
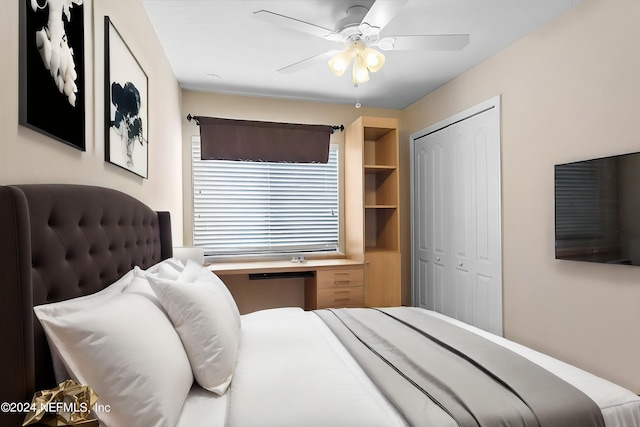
x=222 y=38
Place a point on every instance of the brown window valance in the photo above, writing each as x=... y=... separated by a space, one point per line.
x=228 y=139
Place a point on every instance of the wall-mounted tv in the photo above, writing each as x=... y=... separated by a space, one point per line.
x=597 y=210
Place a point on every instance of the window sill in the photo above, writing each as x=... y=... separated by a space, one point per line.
x=277 y=266
x=215 y=259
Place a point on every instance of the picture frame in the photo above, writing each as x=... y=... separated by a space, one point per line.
x=126 y=105
x=52 y=72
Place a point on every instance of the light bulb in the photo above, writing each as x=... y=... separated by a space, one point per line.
x=339 y=63
x=373 y=59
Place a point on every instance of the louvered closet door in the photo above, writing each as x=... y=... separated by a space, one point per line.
x=456 y=217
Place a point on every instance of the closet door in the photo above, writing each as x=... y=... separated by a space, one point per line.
x=476 y=220
x=456 y=217
x=433 y=225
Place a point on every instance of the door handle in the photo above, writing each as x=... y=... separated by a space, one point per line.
x=437 y=258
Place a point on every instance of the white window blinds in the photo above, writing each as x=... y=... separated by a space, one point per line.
x=254 y=208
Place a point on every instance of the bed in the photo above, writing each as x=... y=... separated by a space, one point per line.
x=108 y=258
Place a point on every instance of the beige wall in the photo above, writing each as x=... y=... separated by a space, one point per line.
x=27 y=156
x=569 y=91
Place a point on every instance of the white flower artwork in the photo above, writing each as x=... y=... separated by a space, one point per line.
x=54 y=49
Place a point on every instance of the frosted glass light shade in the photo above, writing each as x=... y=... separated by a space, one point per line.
x=373 y=59
x=360 y=74
x=339 y=63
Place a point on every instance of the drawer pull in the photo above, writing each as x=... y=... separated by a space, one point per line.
x=338 y=282
x=341 y=292
x=342 y=299
x=341 y=273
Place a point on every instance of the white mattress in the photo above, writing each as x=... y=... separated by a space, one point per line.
x=292 y=371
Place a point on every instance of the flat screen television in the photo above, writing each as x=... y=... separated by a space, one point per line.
x=597 y=210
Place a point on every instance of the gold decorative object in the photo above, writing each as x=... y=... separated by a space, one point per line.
x=69 y=404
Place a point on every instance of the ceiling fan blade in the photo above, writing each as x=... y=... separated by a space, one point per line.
x=382 y=12
x=291 y=23
x=307 y=62
x=425 y=42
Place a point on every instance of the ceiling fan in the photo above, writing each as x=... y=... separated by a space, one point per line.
x=359 y=32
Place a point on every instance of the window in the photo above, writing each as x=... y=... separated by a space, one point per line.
x=255 y=208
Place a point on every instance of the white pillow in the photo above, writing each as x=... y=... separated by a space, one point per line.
x=128 y=352
x=167 y=269
x=80 y=303
x=207 y=327
x=170 y=268
x=194 y=272
x=190 y=272
x=140 y=286
x=88 y=301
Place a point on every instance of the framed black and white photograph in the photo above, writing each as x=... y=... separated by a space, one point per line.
x=126 y=105
x=52 y=79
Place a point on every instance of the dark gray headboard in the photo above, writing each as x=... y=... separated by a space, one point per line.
x=61 y=241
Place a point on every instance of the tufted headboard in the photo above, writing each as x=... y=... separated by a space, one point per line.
x=61 y=241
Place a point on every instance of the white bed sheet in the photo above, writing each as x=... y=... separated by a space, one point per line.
x=343 y=392
x=203 y=408
x=291 y=371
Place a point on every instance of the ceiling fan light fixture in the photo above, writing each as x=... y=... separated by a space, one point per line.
x=339 y=63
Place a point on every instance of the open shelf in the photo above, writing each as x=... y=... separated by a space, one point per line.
x=381 y=187
x=374 y=132
x=382 y=151
x=381 y=231
x=373 y=206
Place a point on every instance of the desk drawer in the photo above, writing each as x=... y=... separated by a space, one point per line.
x=341 y=297
x=342 y=278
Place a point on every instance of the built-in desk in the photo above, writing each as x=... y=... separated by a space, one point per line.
x=327 y=282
